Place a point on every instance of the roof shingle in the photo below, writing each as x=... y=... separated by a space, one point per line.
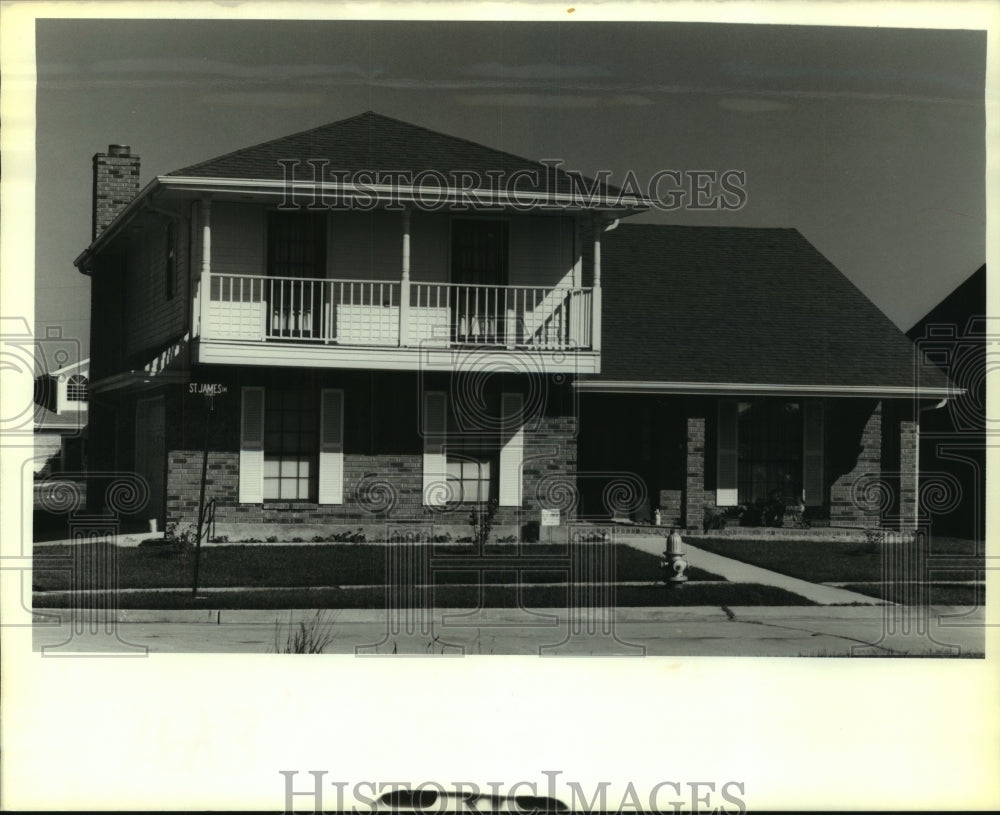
x=742 y=306
x=372 y=142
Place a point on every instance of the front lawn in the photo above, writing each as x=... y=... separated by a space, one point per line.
x=320 y=565
x=968 y=596
x=451 y=597
x=843 y=561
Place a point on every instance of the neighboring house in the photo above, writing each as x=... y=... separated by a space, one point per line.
x=955 y=335
x=61 y=398
x=380 y=359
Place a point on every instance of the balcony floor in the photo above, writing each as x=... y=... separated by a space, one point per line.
x=298 y=354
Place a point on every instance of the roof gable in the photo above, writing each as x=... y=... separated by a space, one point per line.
x=742 y=306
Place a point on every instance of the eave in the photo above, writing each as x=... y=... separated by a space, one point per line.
x=417 y=196
x=765 y=389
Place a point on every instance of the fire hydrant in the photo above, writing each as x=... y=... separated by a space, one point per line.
x=673 y=562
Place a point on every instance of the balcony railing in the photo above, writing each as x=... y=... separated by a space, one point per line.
x=257 y=308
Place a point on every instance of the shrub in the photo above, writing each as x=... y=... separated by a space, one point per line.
x=481 y=520
x=874 y=538
x=715 y=518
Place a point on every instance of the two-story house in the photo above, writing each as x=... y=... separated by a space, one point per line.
x=395 y=324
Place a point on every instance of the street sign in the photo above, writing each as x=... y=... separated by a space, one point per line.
x=207 y=388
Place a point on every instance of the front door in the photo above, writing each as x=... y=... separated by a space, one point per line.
x=479 y=248
x=296 y=258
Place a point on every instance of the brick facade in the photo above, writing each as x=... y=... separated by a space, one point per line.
x=379 y=487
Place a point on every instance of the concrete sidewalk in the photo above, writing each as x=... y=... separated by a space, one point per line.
x=690 y=631
x=736 y=571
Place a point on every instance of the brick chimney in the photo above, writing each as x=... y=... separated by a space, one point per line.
x=116 y=183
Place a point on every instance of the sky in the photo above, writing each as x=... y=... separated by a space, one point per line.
x=869 y=141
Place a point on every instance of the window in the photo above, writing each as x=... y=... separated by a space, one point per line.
x=76 y=388
x=290 y=446
x=170 y=268
x=472 y=466
x=469 y=479
x=769 y=433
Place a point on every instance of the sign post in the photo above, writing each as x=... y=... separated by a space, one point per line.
x=209 y=390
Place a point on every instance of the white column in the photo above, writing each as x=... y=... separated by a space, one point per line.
x=205 y=284
x=596 y=306
x=404 y=286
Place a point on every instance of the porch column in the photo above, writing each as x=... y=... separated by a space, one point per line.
x=595 y=340
x=205 y=284
x=909 y=474
x=404 y=285
x=694 y=481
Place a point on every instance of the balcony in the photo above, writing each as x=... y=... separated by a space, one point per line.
x=318 y=322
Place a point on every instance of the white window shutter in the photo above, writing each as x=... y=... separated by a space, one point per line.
x=727 y=455
x=512 y=453
x=252 y=445
x=435 y=426
x=331 y=447
x=812 y=453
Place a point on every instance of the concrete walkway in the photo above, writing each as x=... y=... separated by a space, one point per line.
x=736 y=571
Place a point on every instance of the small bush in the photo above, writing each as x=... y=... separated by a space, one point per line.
x=481 y=520
x=874 y=538
x=715 y=518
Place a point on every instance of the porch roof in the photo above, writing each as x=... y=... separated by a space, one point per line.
x=724 y=308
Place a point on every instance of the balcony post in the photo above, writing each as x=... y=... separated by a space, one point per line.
x=595 y=340
x=205 y=283
x=404 y=285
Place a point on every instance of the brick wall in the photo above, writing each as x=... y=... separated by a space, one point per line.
x=854 y=459
x=549 y=472
x=116 y=183
x=671 y=507
x=694 y=491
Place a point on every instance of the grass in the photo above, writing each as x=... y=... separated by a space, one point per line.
x=970 y=596
x=451 y=597
x=310 y=636
x=843 y=561
x=224 y=566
